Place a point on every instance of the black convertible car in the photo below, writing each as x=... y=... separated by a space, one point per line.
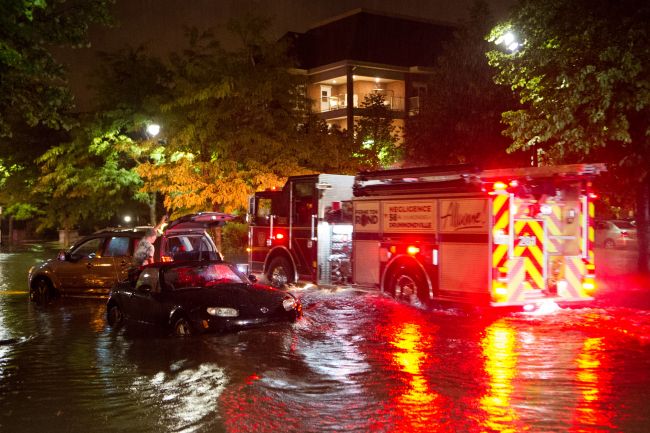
x=198 y=296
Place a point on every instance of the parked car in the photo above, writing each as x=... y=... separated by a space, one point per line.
x=615 y=234
x=93 y=265
x=198 y=296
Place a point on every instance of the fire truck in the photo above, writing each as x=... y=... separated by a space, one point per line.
x=502 y=237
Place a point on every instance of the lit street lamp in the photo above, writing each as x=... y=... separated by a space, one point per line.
x=153 y=129
x=508 y=40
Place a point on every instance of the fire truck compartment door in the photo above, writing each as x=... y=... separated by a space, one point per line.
x=529 y=249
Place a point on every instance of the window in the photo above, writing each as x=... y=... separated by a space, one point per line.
x=117 y=247
x=263 y=211
x=88 y=249
x=184 y=277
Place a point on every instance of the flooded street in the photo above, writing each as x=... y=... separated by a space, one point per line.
x=356 y=362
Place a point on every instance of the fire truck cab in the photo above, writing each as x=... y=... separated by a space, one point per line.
x=507 y=237
x=301 y=231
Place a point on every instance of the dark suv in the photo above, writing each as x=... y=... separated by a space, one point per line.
x=95 y=263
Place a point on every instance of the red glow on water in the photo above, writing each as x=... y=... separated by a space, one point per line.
x=591 y=382
x=252 y=378
x=500 y=351
x=414 y=405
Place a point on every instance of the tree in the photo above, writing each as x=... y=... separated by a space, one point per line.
x=581 y=72
x=375 y=135
x=85 y=178
x=459 y=120
x=236 y=122
x=33 y=88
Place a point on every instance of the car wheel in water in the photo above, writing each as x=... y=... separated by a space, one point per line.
x=408 y=285
x=42 y=291
x=279 y=272
x=114 y=316
x=609 y=243
x=182 y=327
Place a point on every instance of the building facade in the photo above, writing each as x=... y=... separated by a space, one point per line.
x=362 y=52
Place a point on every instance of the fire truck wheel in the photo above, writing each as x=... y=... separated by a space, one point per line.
x=406 y=284
x=279 y=272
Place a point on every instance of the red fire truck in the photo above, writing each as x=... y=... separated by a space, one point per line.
x=505 y=237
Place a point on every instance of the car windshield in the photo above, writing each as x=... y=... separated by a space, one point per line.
x=624 y=225
x=182 y=277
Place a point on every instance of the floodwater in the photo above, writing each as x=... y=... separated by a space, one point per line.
x=356 y=362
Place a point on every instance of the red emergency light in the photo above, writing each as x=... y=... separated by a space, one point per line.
x=412 y=250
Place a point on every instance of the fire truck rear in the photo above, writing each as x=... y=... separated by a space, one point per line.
x=508 y=237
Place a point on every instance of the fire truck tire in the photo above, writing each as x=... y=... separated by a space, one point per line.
x=280 y=271
x=408 y=285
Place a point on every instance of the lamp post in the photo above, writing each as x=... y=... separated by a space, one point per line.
x=153 y=129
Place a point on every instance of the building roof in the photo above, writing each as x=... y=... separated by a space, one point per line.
x=367 y=36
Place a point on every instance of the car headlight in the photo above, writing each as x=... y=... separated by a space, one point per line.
x=223 y=312
x=289 y=303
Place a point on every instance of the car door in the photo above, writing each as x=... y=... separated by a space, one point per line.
x=147 y=300
x=119 y=248
x=76 y=273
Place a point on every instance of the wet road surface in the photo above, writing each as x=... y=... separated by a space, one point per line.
x=356 y=362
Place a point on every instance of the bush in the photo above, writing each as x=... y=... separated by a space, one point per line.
x=234 y=242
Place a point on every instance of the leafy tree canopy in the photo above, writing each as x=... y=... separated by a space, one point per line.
x=33 y=88
x=459 y=120
x=375 y=136
x=582 y=73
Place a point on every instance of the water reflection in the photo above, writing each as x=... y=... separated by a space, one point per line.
x=415 y=405
x=500 y=351
x=591 y=381
x=358 y=362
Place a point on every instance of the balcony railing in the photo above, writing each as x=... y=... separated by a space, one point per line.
x=394 y=103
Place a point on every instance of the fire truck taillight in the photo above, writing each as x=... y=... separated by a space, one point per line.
x=499 y=186
x=279 y=236
x=412 y=250
x=589 y=280
x=166 y=259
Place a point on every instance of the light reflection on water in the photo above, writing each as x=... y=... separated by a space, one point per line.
x=357 y=362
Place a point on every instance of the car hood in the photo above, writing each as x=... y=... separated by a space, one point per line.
x=256 y=294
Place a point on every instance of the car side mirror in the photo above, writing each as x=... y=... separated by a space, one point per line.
x=64 y=256
x=145 y=288
x=252 y=278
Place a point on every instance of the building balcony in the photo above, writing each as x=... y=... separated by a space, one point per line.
x=332 y=103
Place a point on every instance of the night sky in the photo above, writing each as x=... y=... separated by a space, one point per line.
x=158 y=24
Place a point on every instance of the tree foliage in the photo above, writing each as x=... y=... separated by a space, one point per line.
x=237 y=122
x=581 y=72
x=459 y=120
x=86 y=177
x=33 y=88
x=375 y=135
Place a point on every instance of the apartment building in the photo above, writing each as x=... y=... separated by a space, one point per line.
x=361 y=52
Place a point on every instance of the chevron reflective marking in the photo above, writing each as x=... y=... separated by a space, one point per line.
x=574 y=270
x=553 y=225
x=500 y=229
x=499 y=255
x=516 y=278
x=592 y=236
x=529 y=240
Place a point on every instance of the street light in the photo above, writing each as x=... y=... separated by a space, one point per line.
x=153 y=129
x=508 y=40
